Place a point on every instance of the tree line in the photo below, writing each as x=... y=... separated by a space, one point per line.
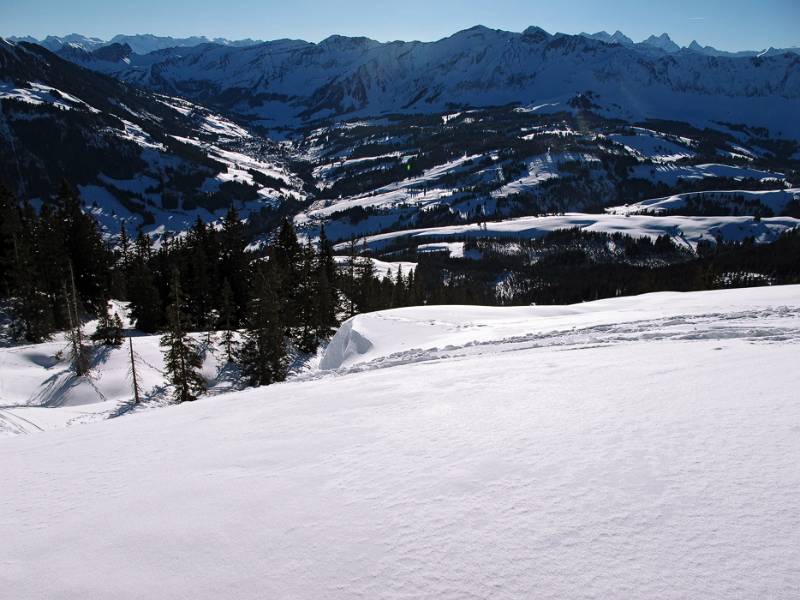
x=267 y=302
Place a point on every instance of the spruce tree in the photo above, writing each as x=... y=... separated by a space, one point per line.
x=103 y=333
x=145 y=301
x=326 y=294
x=306 y=303
x=263 y=359
x=225 y=322
x=109 y=328
x=234 y=261
x=182 y=358
x=31 y=307
x=365 y=284
x=116 y=331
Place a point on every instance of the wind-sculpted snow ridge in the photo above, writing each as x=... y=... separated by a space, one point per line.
x=662 y=465
x=400 y=336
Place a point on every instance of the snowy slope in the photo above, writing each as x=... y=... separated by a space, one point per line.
x=655 y=458
x=39 y=392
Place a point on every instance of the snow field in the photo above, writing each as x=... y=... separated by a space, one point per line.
x=647 y=468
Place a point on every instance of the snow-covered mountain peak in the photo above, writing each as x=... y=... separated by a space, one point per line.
x=616 y=38
x=662 y=42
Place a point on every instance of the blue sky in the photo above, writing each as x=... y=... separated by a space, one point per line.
x=725 y=24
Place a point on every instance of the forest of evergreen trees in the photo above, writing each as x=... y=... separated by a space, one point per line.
x=285 y=298
x=57 y=270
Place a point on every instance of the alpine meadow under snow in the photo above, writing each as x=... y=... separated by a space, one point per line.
x=502 y=315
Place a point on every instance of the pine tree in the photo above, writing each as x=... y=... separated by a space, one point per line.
x=182 y=359
x=145 y=301
x=198 y=280
x=225 y=321
x=31 y=306
x=109 y=328
x=326 y=294
x=103 y=333
x=234 y=261
x=85 y=249
x=116 y=331
x=11 y=231
x=306 y=302
x=287 y=260
x=365 y=285
x=263 y=358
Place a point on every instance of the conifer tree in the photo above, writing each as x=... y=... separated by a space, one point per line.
x=145 y=301
x=102 y=333
x=287 y=260
x=11 y=233
x=225 y=322
x=234 y=262
x=116 y=331
x=109 y=328
x=182 y=359
x=263 y=358
x=306 y=302
x=326 y=292
x=31 y=308
x=365 y=285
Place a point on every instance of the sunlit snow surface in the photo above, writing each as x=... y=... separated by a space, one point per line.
x=632 y=448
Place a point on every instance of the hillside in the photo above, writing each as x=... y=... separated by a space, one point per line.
x=150 y=160
x=645 y=445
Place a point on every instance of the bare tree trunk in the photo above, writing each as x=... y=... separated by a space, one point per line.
x=133 y=373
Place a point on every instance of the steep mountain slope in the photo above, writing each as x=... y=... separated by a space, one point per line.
x=134 y=154
x=285 y=82
x=646 y=445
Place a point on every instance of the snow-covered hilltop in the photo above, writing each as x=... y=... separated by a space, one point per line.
x=640 y=444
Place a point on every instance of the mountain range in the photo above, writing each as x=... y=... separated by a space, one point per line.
x=287 y=83
x=139 y=43
x=368 y=137
x=146 y=43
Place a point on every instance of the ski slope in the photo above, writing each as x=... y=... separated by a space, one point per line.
x=640 y=447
